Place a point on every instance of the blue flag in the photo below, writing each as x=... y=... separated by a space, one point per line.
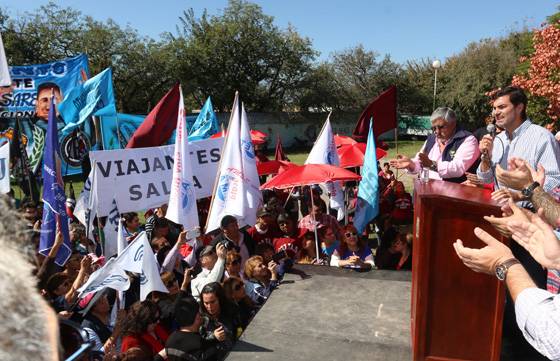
x=367 y=207
x=206 y=123
x=54 y=209
x=94 y=97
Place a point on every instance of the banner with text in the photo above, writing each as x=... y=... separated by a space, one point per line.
x=28 y=98
x=140 y=178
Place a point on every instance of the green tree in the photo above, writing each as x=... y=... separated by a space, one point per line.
x=143 y=69
x=467 y=77
x=242 y=50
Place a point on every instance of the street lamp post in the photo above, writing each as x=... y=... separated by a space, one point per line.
x=436 y=65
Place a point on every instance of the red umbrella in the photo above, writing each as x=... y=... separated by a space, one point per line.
x=300 y=175
x=353 y=155
x=343 y=140
x=257 y=137
x=273 y=167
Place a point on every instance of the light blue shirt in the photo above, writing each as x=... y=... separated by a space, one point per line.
x=532 y=143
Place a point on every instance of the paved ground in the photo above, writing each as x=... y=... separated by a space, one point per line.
x=332 y=315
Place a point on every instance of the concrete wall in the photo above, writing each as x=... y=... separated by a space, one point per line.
x=295 y=129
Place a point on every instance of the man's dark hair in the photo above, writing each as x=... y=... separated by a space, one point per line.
x=48 y=85
x=161 y=222
x=227 y=220
x=516 y=96
x=185 y=311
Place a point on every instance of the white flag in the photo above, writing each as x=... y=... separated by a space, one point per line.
x=182 y=200
x=138 y=257
x=5 y=168
x=236 y=190
x=111 y=275
x=86 y=205
x=111 y=231
x=5 y=79
x=324 y=152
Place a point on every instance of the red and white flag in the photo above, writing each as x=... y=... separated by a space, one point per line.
x=182 y=200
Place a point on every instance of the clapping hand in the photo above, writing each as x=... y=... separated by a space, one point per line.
x=538 y=238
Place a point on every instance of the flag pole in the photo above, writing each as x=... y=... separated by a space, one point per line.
x=397 y=144
x=314 y=225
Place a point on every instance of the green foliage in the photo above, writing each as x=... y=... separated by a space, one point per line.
x=242 y=50
x=480 y=68
x=142 y=68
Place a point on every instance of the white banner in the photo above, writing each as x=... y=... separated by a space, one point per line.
x=324 y=152
x=182 y=201
x=5 y=168
x=138 y=257
x=140 y=178
x=237 y=191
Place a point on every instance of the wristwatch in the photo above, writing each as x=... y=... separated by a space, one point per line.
x=527 y=192
x=502 y=268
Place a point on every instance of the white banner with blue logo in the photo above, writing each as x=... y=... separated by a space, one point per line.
x=182 y=200
x=324 y=152
x=5 y=168
x=237 y=191
x=140 y=178
x=138 y=257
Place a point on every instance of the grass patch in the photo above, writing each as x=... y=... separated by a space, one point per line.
x=406 y=147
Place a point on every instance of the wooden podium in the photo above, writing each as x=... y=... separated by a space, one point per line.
x=456 y=313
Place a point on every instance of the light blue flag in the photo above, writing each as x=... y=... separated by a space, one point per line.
x=206 y=123
x=94 y=97
x=367 y=207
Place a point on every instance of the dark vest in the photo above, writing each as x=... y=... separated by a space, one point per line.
x=90 y=321
x=449 y=152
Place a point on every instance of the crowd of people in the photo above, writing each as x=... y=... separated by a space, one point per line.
x=217 y=282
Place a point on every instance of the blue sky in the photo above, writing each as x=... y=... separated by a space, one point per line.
x=404 y=29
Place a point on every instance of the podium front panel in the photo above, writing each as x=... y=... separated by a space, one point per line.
x=456 y=313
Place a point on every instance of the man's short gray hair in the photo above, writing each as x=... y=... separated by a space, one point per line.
x=444 y=113
x=24 y=334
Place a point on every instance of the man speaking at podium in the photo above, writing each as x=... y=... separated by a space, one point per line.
x=447 y=153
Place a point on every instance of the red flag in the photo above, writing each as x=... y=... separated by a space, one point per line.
x=383 y=109
x=279 y=154
x=159 y=124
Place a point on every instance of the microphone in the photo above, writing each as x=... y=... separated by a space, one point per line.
x=491 y=129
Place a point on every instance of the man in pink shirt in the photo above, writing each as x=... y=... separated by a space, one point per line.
x=448 y=153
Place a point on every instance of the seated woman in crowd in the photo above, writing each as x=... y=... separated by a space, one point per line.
x=352 y=253
x=234 y=290
x=261 y=280
x=402 y=212
x=96 y=322
x=233 y=264
x=308 y=251
x=131 y=225
x=141 y=328
x=220 y=318
x=62 y=289
x=329 y=243
x=403 y=247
